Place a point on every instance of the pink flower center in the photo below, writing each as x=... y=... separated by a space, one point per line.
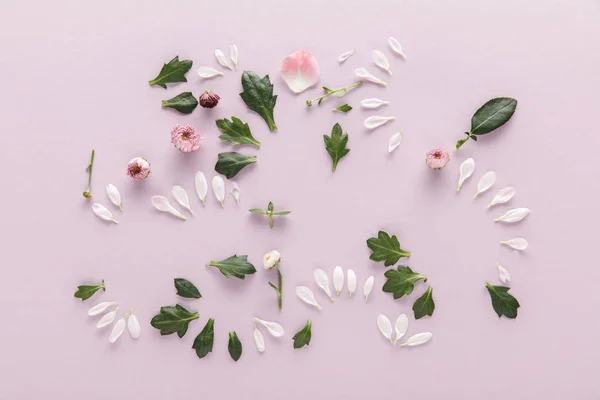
x=137 y=169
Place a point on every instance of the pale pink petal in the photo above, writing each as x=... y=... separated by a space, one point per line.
x=300 y=71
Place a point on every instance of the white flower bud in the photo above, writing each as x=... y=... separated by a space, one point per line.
x=271 y=259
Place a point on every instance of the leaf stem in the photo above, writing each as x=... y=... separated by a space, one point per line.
x=280 y=299
x=329 y=92
x=88 y=192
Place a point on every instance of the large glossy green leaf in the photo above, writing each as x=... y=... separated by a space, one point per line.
x=237 y=266
x=173 y=319
x=401 y=282
x=184 y=103
x=186 y=289
x=172 y=72
x=502 y=301
x=230 y=163
x=84 y=292
x=236 y=132
x=386 y=249
x=492 y=115
x=258 y=96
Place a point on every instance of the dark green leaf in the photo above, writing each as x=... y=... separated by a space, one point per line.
x=84 y=292
x=302 y=338
x=258 y=96
x=336 y=144
x=230 y=163
x=203 y=344
x=173 y=319
x=492 y=115
x=172 y=72
x=236 y=132
x=234 y=346
x=386 y=249
x=402 y=281
x=234 y=266
x=184 y=102
x=502 y=301
x=186 y=289
x=343 y=108
x=424 y=304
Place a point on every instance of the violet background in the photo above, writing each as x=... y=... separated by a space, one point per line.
x=75 y=78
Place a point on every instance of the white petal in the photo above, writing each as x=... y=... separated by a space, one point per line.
x=107 y=318
x=514 y=215
x=323 y=281
x=345 y=55
x=364 y=74
x=208 y=72
x=368 y=286
x=466 y=170
x=218 y=185
x=401 y=326
x=118 y=329
x=377 y=121
x=259 y=339
x=503 y=274
x=133 y=325
x=373 y=103
x=395 y=141
x=351 y=277
x=103 y=212
x=161 y=203
x=395 y=46
x=222 y=59
x=235 y=192
x=273 y=327
x=182 y=198
x=100 y=307
x=385 y=326
x=114 y=196
x=516 y=243
x=418 y=339
x=307 y=296
x=503 y=196
x=486 y=182
x=338 y=279
x=233 y=54
x=201 y=186
x=381 y=61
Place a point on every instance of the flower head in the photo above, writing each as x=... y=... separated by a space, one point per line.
x=271 y=259
x=138 y=168
x=185 y=138
x=209 y=99
x=437 y=158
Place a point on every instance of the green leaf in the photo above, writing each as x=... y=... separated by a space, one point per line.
x=502 y=301
x=336 y=144
x=234 y=346
x=386 y=249
x=302 y=338
x=492 y=115
x=258 y=211
x=234 y=266
x=203 y=344
x=424 y=304
x=186 y=289
x=343 y=108
x=402 y=281
x=269 y=212
x=173 y=319
x=236 y=132
x=258 y=96
x=172 y=72
x=184 y=102
x=84 y=292
x=230 y=163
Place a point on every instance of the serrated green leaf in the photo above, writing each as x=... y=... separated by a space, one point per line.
x=84 y=292
x=186 y=289
x=424 y=304
x=492 y=115
x=258 y=96
x=184 y=103
x=173 y=319
x=336 y=144
x=230 y=163
x=203 y=344
x=172 y=72
x=234 y=346
x=343 y=108
x=386 y=249
x=402 y=281
x=302 y=338
x=237 y=266
x=502 y=301
x=236 y=132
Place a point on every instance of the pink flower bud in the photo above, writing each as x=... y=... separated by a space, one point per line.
x=209 y=99
x=138 y=168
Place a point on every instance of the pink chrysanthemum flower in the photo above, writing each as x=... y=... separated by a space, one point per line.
x=437 y=158
x=138 y=168
x=185 y=138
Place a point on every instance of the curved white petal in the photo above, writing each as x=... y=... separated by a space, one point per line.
x=161 y=203
x=218 y=185
x=274 y=328
x=338 y=279
x=373 y=103
x=516 y=243
x=307 y=296
x=395 y=46
x=503 y=274
x=182 y=198
x=208 y=72
x=418 y=339
x=364 y=74
x=233 y=54
x=385 y=327
x=114 y=196
x=107 y=318
x=466 y=170
x=259 y=340
x=133 y=325
x=323 y=281
x=102 y=212
x=100 y=308
x=381 y=61
x=201 y=186
x=503 y=196
x=118 y=329
x=351 y=278
x=235 y=192
x=486 y=182
x=300 y=70
x=368 y=286
x=395 y=141
x=401 y=326
x=514 y=215
x=345 y=55
x=222 y=59
x=376 y=121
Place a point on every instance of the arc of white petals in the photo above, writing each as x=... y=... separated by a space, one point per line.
x=368 y=287
x=385 y=327
x=373 y=103
x=307 y=296
x=395 y=141
x=118 y=329
x=376 y=121
x=418 y=339
x=516 y=243
x=381 y=61
x=467 y=168
x=503 y=274
x=233 y=54
x=208 y=72
x=133 y=325
x=503 y=196
x=351 y=278
x=114 y=196
x=100 y=308
x=102 y=212
x=514 y=215
x=401 y=326
x=218 y=185
x=201 y=186
x=259 y=340
x=182 y=198
x=338 y=279
x=235 y=192
x=107 y=318
x=345 y=55
x=323 y=282
x=222 y=59
x=396 y=47
x=486 y=182
x=364 y=74
x=274 y=328
x=161 y=203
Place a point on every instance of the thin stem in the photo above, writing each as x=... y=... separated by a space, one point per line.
x=280 y=287
x=344 y=89
x=88 y=192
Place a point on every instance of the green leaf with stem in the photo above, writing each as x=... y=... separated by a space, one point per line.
x=185 y=103
x=402 y=281
x=173 y=319
x=234 y=346
x=502 y=301
x=88 y=192
x=343 y=108
x=258 y=96
x=278 y=288
x=235 y=265
x=489 y=117
x=236 y=132
x=172 y=72
x=336 y=145
x=338 y=92
x=386 y=249
x=203 y=344
x=230 y=163
x=84 y=292
x=424 y=304
x=302 y=338
x=270 y=213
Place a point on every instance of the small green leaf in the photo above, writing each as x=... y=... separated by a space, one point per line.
x=336 y=144
x=258 y=211
x=386 y=249
x=237 y=266
x=184 y=102
x=302 y=338
x=230 y=163
x=402 y=281
x=270 y=213
x=327 y=90
x=172 y=72
x=234 y=346
x=236 y=132
x=343 y=108
x=84 y=292
x=173 y=319
x=502 y=301
x=186 y=289
x=258 y=96
x=492 y=115
x=203 y=344
x=424 y=304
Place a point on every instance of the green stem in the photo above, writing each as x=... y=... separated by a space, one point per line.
x=270 y=123
x=280 y=302
x=344 y=89
x=88 y=192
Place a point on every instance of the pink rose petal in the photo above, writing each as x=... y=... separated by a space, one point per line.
x=300 y=71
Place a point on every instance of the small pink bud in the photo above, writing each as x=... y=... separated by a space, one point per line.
x=209 y=99
x=437 y=158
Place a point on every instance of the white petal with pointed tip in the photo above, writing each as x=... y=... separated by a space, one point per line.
x=503 y=196
x=102 y=212
x=401 y=326
x=161 y=203
x=351 y=277
x=274 y=328
x=381 y=61
x=235 y=192
x=107 y=318
x=133 y=325
x=218 y=185
x=323 y=281
x=100 y=308
x=395 y=141
x=307 y=296
x=503 y=274
x=418 y=339
x=385 y=326
x=114 y=196
x=338 y=279
x=373 y=103
x=201 y=186
x=368 y=286
x=259 y=339
x=300 y=70
x=486 y=182
x=466 y=170
x=376 y=121
x=182 y=198
x=516 y=243
x=395 y=46
x=364 y=74
x=208 y=72
x=345 y=55
x=233 y=54
x=514 y=215
x=222 y=59
x=118 y=329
